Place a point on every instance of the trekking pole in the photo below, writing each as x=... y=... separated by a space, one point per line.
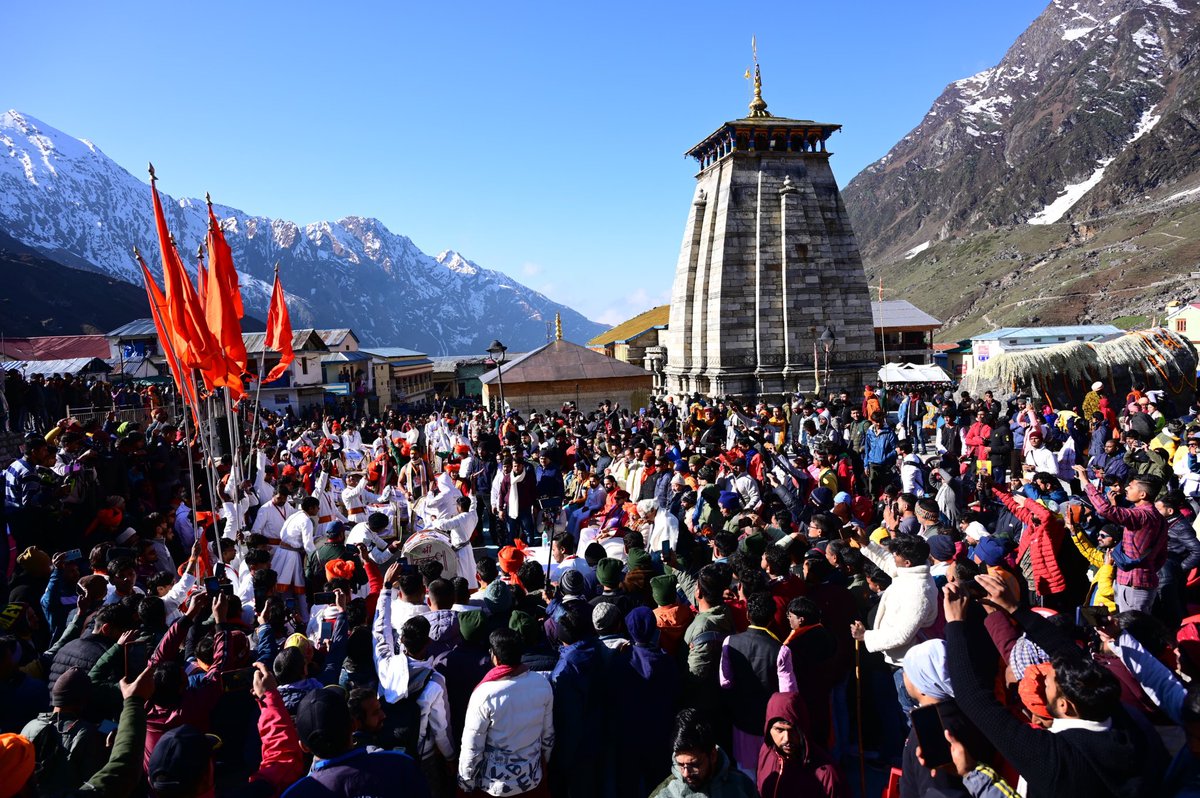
x=862 y=771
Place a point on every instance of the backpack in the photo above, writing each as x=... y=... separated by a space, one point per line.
x=55 y=743
x=402 y=723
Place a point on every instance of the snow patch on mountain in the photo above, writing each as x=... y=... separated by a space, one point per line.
x=65 y=198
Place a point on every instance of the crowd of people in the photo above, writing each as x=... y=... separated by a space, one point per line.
x=696 y=598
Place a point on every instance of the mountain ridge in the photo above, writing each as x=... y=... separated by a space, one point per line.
x=64 y=198
x=1037 y=165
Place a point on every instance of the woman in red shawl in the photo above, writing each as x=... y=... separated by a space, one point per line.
x=789 y=764
x=1110 y=415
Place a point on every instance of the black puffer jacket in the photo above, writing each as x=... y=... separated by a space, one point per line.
x=82 y=653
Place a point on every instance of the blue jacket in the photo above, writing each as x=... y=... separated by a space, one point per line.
x=57 y=605
x=362 y=772
x=879 y=448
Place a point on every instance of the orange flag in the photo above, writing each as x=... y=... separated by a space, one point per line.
x=279 y=331
x=222 y=304
x=197 y=348
x=158 y=308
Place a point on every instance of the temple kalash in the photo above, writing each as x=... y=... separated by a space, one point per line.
x=770 y=295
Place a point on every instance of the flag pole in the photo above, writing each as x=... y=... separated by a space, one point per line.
x=187 y=416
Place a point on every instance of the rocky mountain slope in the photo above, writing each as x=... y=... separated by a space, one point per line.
x=63 y=197
x=1055 y=186
x=41 y=297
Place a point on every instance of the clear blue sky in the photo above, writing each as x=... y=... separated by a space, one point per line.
x=541 y=139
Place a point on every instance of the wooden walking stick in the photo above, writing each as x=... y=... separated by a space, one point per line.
x=862 y=771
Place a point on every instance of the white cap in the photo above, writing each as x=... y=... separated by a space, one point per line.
x=976 y=531
x=126 y=536
x=1097 y=386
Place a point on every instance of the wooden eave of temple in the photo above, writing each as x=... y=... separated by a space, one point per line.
x=774 y=134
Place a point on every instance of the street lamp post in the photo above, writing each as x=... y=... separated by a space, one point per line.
x=827 y=341
x=497 y=350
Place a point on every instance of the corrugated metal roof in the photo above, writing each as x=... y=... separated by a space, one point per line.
x=563 y=360
x=135 y=329
x=72 y=365
x=345 y=357
x=895 y=313
x=392 y=351
x=655 y=317
x=335 y=337
x=55 y=347
x=1074 y=330
x=306 y=339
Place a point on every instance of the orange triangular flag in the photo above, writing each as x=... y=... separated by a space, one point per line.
x=197 y=348
x=279 y=331
x=221 y=305
x=158 y=307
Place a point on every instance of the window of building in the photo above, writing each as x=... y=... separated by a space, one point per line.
x=1037 y=340
x=304 y=365
x=1180 y=325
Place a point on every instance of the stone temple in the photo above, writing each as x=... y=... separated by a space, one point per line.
x=770 y=296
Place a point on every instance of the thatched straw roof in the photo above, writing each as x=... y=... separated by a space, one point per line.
x=1062 y=374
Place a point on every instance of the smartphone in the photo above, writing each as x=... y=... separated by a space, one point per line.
x=1093 y=616
x=666 y=549
x=238 y=680
x=227 y=588
x=323 y=598
x=289 y=603
x=325 y=632
x=73 y=554
x=931 y=736
x=212 y=585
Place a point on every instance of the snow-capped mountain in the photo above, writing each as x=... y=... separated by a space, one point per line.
x=1094 y=105
x=63 y=197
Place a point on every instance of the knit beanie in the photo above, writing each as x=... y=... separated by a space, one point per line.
x=34 y=562
x=664 y=588
x=73 y=688
x=606 y=617
x=638 y=559
x=572 y=583
x=472 y=625
x=608 y=572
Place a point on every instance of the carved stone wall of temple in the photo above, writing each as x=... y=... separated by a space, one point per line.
x=770 y=295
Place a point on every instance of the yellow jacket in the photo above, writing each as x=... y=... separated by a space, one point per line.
x=1101 y=593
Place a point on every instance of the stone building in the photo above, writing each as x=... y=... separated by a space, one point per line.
x=769 y=265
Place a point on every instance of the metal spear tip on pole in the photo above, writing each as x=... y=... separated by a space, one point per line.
x=153 y=176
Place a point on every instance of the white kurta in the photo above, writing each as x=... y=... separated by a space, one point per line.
x=298 y=532
x=270 y=520
x=460 y=527
x=358 y=497
x=329 y=510
x=361 y=533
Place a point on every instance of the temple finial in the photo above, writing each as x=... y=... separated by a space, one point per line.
x=758 y=106
x=557 y=327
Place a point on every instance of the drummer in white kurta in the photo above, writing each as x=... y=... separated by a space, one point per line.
x=459 y=527
x=356 y=497
x=297 y=539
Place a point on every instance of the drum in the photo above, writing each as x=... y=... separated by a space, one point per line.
x=432 y=546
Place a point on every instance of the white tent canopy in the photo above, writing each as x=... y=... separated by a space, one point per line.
x=912 y=372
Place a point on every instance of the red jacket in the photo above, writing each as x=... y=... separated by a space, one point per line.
x=1043 y=534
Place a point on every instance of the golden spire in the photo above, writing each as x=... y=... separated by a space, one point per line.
x=758 y=106
x=557 y=327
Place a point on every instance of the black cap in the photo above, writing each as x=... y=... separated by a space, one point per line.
x=181 y=760
x=377 y=521
x=323 y=721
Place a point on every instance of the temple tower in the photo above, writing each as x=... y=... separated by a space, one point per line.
x=769 y=294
